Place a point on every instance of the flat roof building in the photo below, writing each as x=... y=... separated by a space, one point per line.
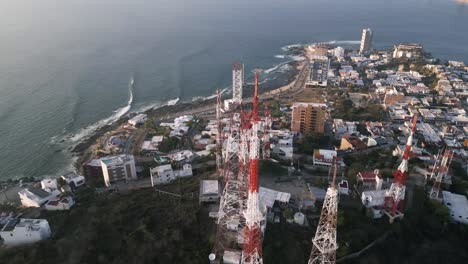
x=20 y=231
x=118 y=168
x=308 y=117
x=319 y=71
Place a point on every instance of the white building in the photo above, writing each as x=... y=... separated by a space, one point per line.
x=20 y=231
x=373 y=198
x=319 y=71
x=210 y=191
x=283 y=149
x=60 y=203
x=138 y=119
x=339 y=53
x=118 y=168
x=237 y=81
x=35 y=197
x=410 y=51
x=73 y=179
x=458 y=206
x=366 y=41
x=153 y=144
x=324 y=158
x=165 y=174
x=49 y=184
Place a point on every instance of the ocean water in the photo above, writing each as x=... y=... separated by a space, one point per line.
x=65 y=66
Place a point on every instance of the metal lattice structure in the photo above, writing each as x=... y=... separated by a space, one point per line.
x=219 y=146
x=395 y=196
x=237 y=81
x=252 y=244
x=266 y=148
x=441 y=170
x=324 y=242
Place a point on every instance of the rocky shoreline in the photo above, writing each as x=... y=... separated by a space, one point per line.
x=81 y=150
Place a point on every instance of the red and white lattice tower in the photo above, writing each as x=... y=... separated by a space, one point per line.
x=441 y=172
x=252 y=247
x=219 y=136
x=324 y=243
x=229 y=208
x=266 y=134
x=395 y=196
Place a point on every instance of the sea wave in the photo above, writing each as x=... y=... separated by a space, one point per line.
x=202 y=98
x=87 y=131
x=280 y=56
x=288 y=47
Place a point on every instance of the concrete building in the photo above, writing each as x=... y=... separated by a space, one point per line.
x=308 y=117
x=458 y=206
x=165 y=174
x=339 y=53
x=35 y=197
x=73 y=179
x=49 y=184
x=283 y=149
x=319 y=71
x=118 y=168
x=324 y=158
x=138 y=119
x=370 y=180
x=366 y=41
x=237 y=81
x=92 y=169
x=210 y=191
x=60 y=203
x=409 y=51
x=20 y=231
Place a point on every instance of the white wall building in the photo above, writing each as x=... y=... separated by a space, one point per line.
x=373 y=198
x=458 y=206
x=60 y=203
x=138 y=119
x=35 y=197
x=118 y=168
x=210 y=191
x=20 y=231
x=165 y=174
x=283 y=149
x=319 y=71
x=339 y=53
x=49 y=184
x=73 y=179
x=366 y=41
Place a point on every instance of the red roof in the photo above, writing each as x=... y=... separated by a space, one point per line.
x=369 y=176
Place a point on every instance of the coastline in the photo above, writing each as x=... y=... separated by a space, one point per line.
x=82 y=151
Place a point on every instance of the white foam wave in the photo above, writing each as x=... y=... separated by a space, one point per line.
x=288 y=47
x=280 y=56
x=202 y=98
x=173 y=101
x=85 y=132
x=348 y=42
x=297 y=57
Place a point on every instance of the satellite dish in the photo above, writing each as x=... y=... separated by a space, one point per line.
x=212 y=256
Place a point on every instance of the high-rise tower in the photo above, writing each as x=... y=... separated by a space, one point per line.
x=324 y=243
x=366 y=41
x=237 y=81
x=396 y=194
x=252 y=247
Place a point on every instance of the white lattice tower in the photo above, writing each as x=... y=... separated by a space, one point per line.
x=252 y=247
x=396 y=194
x=441 y=174
x=266 y=134
x=324 y=243
x=237 y=81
